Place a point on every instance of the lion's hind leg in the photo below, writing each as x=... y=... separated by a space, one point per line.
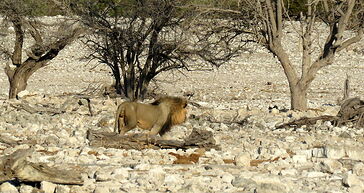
x=119 y=118
x=126 y=118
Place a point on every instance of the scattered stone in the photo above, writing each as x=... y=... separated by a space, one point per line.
x=351 y=180
x=356 y=189
x=25 y=189
x=331 y=166
x=245 y=183
x=103 y=175
x=6 y=187
x=243 y=159
x=47 y=187
x=227 y=178
x=62 y=189
x=120 y=174
x=334 y=152
x=289 y=172
x=23 y=93
x=294 y=159
x=355 y=153
x=101 y=189
x=358 y=169
x=271 y=188
x=299 y=159
x=314 y=174
x=157 y=176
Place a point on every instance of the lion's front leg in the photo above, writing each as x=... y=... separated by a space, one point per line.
x=155 y=129
x=118 y=120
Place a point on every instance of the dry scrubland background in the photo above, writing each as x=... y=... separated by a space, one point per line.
x=323 y=158
x=254 y=77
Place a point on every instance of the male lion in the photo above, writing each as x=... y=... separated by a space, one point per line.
x=157 y=117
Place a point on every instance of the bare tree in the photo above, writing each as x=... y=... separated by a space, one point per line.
x=265 y=20
x=44 y=47
x=140 y=39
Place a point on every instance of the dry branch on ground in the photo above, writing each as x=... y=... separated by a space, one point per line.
x=16 y=166
x=351 y=111
x=197 y=139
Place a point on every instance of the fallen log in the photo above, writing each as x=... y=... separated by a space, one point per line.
x=16 y=166
x=351 y=111
x=197 y=139
x=306 y=121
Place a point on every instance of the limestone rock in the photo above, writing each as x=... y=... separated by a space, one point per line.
x=8 y=188
x=243 y=159
x=25 y=189
x=101 y=189
x=334 y=152
x=63 y=189
x=351 y=180
x=331 y=166
x=358 y=169
x=47 y=187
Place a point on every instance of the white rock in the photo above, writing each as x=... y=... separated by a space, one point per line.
x=26 y=189
x=245 y=183
x=299 y=159
x=101 y=189
x=227 y=178
x=23 y=93
x=290 y=139
x=271 y=188
x=8 y=188
x=352 y=180
x=142 y=167
x=358 y=169
x=62 y=189
x=174 y=182
x=47 y=187
x=103 y=175
x=334 y=152
x=290 y=172
x=157 y=176
x=243 y=159
x=120 y=173
x=331 y=166
x=355 y=153
x=356 y=189
x=173 y=179
x=275 y=111
x=315 y=174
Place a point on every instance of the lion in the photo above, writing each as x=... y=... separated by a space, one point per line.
x=158 y=117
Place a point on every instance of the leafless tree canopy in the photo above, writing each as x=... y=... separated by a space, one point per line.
x=48 y=40
x=142 y=38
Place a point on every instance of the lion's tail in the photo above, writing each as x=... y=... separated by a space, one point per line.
x=119 y=112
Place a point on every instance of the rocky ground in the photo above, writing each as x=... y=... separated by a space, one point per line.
x=235 y=101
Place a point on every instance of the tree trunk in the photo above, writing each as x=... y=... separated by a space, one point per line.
x=19 y=76
x=143 y=88
x=129 y=89
x=298 y=97
x=117 y=85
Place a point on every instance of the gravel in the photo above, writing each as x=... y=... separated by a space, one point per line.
x=255 y=156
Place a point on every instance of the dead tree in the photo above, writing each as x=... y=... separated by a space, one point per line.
x=264 y=21
x=140 y=39
x=336 y=14
x=45 y=44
